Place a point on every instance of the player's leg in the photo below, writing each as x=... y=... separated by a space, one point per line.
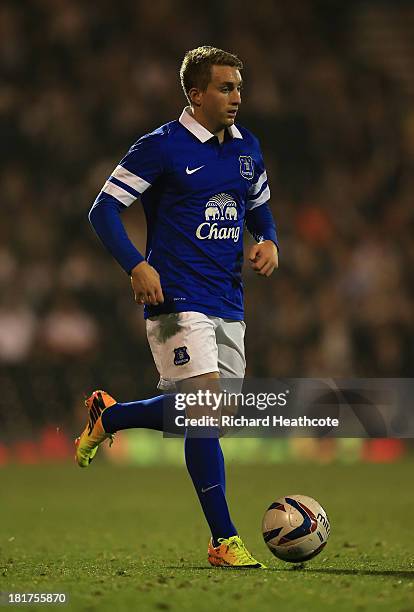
x=174 y=340
x=204 y=457
x=169 y=336
x=184 y=347
x=107 y=416
x=232 y=366
x=205 y=463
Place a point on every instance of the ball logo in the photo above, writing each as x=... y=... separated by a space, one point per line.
x=221 y=207
x=325 y=522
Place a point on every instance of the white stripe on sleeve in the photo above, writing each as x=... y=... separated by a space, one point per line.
x=117 y=192
x=264 y=197
x=130 y=179
x=257 y=186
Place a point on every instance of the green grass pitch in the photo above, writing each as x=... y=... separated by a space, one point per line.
x=128 y=538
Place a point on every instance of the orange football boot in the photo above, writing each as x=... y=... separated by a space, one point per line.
x=231 y=552
x=93 y=434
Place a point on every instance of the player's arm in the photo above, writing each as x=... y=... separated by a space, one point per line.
x=123 y=187
x=263 y=256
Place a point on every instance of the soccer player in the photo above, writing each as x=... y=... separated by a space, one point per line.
x=200 y=179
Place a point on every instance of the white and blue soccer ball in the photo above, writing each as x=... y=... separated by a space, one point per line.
x=295 y=528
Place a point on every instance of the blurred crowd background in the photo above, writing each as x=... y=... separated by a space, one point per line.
x=329 y=88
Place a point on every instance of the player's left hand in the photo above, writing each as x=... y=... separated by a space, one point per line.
x=264 y=257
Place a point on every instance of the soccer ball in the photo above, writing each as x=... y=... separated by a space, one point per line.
x=295 y=528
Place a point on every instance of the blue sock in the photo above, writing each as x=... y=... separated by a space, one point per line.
x=146 y=414
x=205 y=464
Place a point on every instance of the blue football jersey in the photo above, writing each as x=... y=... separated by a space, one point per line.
x=195 y=193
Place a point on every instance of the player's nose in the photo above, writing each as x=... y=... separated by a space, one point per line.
x=236 y=97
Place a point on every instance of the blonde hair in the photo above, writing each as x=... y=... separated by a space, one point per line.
x=195 y=70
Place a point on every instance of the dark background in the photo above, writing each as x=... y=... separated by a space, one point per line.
x=329 y=90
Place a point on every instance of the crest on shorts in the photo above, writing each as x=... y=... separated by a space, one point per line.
x=181 y=356
x=246 y=167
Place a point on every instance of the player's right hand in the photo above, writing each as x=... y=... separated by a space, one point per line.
x=146 y=284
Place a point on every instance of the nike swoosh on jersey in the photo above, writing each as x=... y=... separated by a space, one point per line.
x=188 y=171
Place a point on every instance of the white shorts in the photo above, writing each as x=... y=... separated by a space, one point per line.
x=187 y=344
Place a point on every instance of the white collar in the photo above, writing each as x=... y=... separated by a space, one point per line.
x=199 y=131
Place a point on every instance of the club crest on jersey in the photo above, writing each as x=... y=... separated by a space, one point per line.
x=246 y=167
x=181 y=356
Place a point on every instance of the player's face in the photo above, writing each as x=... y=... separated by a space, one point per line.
x=219 y=103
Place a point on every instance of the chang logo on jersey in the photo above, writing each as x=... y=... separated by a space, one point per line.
x=221 y=207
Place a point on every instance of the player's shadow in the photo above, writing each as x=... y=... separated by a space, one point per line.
x=409 y=574
x=354 y=572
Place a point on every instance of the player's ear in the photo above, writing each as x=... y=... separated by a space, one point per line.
x=195 y=96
